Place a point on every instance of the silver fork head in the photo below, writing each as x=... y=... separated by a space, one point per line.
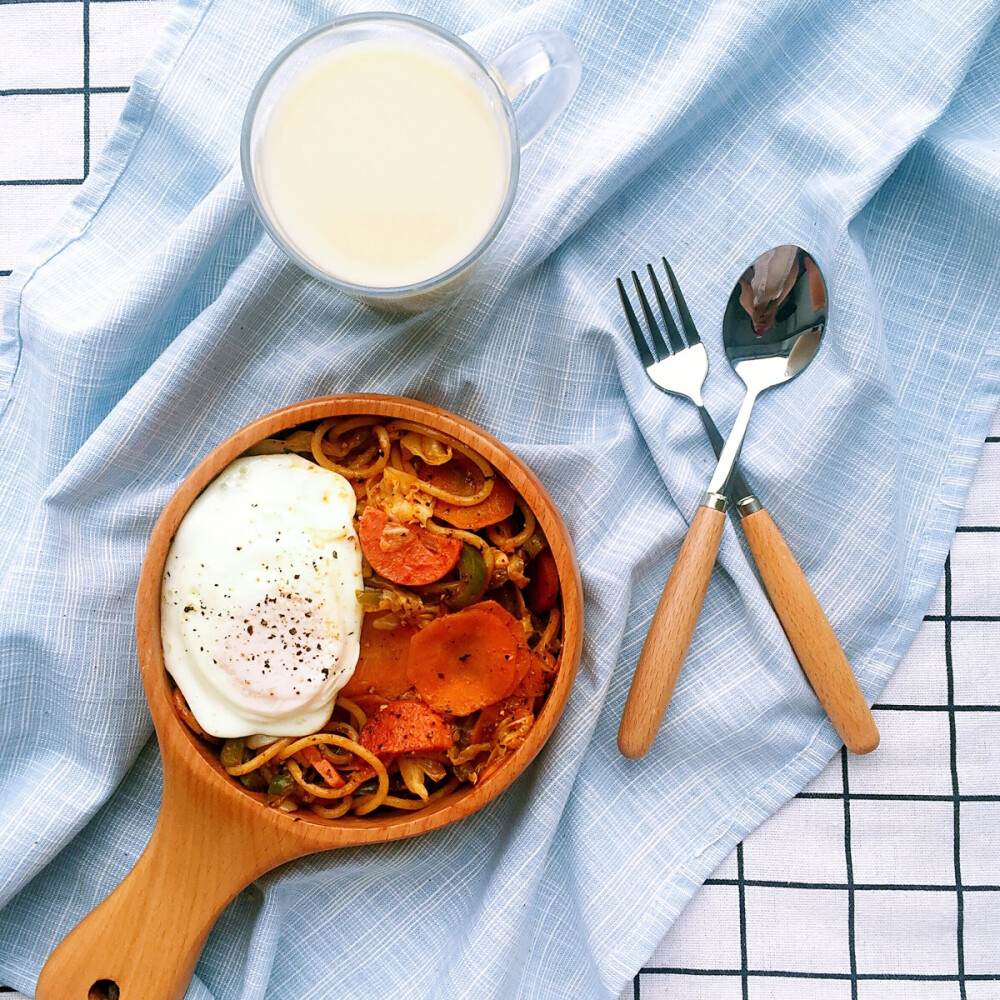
x=677 y=369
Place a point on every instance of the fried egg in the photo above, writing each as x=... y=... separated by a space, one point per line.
x=260 y=620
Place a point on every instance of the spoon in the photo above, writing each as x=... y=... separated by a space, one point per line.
x=773 y=326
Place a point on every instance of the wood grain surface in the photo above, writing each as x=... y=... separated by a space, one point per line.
x=810 y=634
x=213 y=837
x=670 y=634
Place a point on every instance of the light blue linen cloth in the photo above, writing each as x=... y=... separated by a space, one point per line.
x=158 y=317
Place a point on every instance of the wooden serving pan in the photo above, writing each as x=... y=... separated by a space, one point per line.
x=213 y=837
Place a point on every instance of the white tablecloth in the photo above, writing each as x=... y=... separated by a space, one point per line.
x=882 y=879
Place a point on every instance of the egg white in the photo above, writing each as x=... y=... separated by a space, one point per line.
x=260 y=621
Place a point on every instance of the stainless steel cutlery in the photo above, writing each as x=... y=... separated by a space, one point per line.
x=773 y=326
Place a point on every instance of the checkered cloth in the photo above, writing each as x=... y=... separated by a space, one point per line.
x=882 y=879
x=882 y=875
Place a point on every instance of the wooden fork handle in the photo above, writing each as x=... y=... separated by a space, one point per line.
x=670 y=633
x=810 y=634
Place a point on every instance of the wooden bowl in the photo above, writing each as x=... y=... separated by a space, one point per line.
x=213 y=837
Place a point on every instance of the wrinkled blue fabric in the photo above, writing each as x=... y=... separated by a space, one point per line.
x=158 y=317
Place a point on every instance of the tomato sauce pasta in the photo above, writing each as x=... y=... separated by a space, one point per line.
x=461 y=629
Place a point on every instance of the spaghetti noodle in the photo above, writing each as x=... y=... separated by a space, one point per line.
x=394 y=739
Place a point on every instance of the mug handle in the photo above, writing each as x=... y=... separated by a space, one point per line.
x=545 y=53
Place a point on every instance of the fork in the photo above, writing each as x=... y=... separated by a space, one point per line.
x=681 y=369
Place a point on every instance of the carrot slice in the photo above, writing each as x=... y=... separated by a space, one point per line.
x=381 y=668
x=370 y=703
x=498 y=506
x=534 y=683
x=502 y=615
x=523 y=662
x=413 y=555
x=458 y=475
x=521 y=669
x=313 y=757
x=542 y=591
x=405 y=727
x=461 y=476
x=463 y=661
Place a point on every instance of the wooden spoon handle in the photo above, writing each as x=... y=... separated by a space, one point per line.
x=811 y=635
x=670 y=634
x=143 y=941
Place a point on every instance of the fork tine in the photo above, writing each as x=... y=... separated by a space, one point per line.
x=672 y=332
x=660 y=349
x=690 y=330
x=633 y=322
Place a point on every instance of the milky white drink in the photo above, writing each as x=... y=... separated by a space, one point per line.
x=384 y=164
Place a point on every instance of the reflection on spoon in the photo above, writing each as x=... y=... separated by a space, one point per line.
x=766 y=284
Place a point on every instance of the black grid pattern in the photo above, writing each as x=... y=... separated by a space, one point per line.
x=645 y=983
x=76 y=60
x=749 y=976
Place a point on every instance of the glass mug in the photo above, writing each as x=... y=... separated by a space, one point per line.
x=395 y=203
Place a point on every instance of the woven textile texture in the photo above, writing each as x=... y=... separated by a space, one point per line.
x=156 y=318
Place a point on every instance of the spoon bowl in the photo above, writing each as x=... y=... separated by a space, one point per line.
x=772 y=328
x=774 y=324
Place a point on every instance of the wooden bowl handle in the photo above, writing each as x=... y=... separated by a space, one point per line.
x=145 y=938
x=810 y=634
x=670 y=634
